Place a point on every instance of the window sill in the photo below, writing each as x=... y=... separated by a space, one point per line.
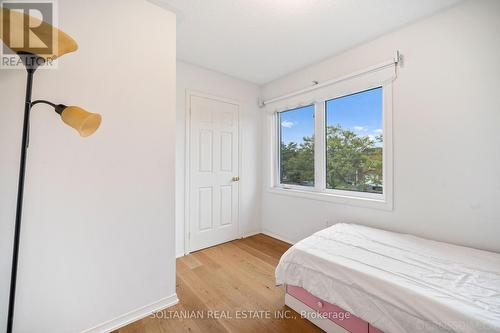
x=375 y=203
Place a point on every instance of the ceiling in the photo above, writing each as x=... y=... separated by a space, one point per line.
x=262 y=40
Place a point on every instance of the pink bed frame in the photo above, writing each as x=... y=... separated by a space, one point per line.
x=350 y=323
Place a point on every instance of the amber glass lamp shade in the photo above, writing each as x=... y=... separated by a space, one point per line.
x=62 y=42
x=84 y=122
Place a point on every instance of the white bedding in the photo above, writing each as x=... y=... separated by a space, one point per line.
x=399 y=283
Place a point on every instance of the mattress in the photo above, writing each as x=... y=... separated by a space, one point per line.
x=399 y=283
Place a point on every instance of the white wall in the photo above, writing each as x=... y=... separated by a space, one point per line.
x=446 y=132
x=98 y=225
x=247 y=94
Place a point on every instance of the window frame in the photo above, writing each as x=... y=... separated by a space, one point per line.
x=277 y=180
x=382 y=201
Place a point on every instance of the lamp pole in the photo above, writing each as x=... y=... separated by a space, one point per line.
x=30 y=62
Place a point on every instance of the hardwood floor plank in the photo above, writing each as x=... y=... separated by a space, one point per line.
x=191 y=261
x=262 y=244
x=271 y=260
x=270 y=242
x=222 y=285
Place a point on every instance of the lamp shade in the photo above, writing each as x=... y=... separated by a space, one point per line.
x=86 y=123
x=62 y=43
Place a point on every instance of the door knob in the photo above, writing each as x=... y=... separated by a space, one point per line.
x=235 y=179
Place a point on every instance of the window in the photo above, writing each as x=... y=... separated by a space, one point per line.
x=354 y=142
x=337 y=149
x=296 y=146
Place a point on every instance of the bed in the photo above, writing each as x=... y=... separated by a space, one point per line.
x=390 y=282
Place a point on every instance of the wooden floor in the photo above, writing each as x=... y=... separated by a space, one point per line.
x=234 y=279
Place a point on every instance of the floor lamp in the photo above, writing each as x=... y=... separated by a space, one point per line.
x=84 y=122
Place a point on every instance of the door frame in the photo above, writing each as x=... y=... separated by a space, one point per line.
x=187 y=162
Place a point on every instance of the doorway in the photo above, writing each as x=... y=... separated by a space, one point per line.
x=213 y=164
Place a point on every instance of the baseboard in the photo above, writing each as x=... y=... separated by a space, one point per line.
x=134 y=315
x=270 y=234
x=252 y=233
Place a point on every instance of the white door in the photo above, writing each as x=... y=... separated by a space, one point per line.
x=214 y=167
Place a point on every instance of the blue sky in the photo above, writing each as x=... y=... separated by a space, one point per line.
x=361 y=113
